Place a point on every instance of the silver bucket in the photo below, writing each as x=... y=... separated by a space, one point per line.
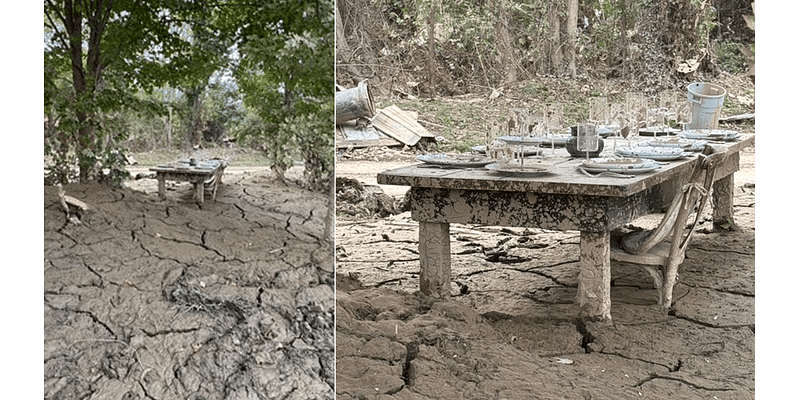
x=706 y=101
x=354 y=103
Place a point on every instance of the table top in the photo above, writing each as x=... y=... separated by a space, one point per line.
x=201 y=167
x=563 y=177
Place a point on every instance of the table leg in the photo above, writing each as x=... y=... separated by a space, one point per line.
x=434 y=259
x=594 y=280
x=723 y=203
x=162 y=188
x=198 y=192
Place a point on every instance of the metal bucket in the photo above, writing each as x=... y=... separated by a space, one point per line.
x=706 y=101
x=354 y=103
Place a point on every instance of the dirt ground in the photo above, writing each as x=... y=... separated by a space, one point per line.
x=510 y=330
x=165 y=299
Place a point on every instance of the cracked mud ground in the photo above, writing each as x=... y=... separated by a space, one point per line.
x=165 y=299
x=509 y=331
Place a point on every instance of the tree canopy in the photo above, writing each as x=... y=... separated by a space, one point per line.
x=101 y=55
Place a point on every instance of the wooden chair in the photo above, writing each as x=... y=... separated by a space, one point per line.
x=657 y=251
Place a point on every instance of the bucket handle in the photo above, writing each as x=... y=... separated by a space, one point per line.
x=692 y=99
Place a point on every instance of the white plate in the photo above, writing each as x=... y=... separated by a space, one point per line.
x=528 y=151
x=620 y=165
x=527 y=169
x=513 y=140
x=455 y=160
x=653 y=152
x=710 y=134
x=686 y=144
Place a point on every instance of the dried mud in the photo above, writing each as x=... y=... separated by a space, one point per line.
x=509 y=330
x=167 y=299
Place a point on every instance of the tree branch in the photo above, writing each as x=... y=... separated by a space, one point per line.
x=53 y=25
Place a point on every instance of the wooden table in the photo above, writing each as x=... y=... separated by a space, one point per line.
x=198 y=172
x=563 y=200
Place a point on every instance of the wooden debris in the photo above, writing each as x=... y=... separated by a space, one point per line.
x=66 y=201
x=400 y=125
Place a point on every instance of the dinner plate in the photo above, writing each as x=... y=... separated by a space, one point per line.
x=455 y=160
x=528 y=151
x=625 y=165
x=653 y=152
x=527 y=169
x=686 y=144
x=710 y=134
x=514 y=140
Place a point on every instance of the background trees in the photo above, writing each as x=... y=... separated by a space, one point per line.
x=498 y=42
x=126 y=74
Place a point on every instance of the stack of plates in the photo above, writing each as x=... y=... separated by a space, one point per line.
x=710 y=134
x=676 y=142
x=620 y=165
x=653 y=152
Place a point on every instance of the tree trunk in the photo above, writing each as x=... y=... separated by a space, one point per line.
x=86 y=80
x=431 y=50
x=556 y=55
x=572 y=34
x=504 y=41
x=168 y=128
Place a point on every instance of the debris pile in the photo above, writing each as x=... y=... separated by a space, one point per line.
x=358 y=124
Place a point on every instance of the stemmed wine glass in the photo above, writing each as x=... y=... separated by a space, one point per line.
x=618 y=118
x=636 y=109
x=683 y=114
x=553 y=121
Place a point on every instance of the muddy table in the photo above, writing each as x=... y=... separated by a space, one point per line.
x=198 y=172
x=563 y=199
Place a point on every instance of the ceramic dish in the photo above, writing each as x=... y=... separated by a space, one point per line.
x=513 y=140
x=710 y=134
x=619 y=165
x=653 y=152
x=455 y=160
x=527 y=169
x=529 y=151
x=686 y=144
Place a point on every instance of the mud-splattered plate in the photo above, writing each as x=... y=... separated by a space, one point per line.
x=456 y=160
x=653 y=152
x=686 y=144
x=527 y=169
x=623 y=165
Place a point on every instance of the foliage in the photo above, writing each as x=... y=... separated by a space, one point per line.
x=122 y=73
x=97 y=53
x=286 y=75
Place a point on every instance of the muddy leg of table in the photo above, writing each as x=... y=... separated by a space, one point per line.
x=198 y=192
x=723 y=203
x=162 y=187
x=594 y=280
x=434 y=258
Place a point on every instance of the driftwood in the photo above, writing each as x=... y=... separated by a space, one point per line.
x=66 y=201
